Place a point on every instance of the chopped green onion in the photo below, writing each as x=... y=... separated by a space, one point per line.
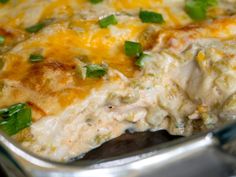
x=35 y=58
x=150 y=17
x=142 y=59
x=197 y=9
x=3 y=1
x=109 y=20
x=2 y=39
x=35 y=28
x=95 y=71
x=133 y=49
x=95 y=1
x=15 y=118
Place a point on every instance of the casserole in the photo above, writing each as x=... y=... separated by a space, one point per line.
x=78 y=73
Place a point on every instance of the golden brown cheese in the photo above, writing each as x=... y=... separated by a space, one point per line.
x=77 y=34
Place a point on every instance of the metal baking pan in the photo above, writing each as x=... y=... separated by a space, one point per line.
x=134 y=155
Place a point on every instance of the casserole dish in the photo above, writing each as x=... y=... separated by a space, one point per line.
x=204 y=155
x=78 y=73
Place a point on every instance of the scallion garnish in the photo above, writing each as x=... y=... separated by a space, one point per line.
x=95 y=1
x=133 y=49
x=15 y=118
x=141 y=60
x=95 y=70
x=109 y=20
x=35 y=58
x=150 y=17
x=2 y=39
x=197 y=9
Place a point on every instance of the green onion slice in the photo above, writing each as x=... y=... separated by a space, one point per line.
x=133 y=49
x=142 y=59
x=197 y=9
x=35 y=58
x=150 y=17
x=109 y=20
x=15 y=118
x=95 y=70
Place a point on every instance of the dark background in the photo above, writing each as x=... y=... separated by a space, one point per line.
x=2 y=174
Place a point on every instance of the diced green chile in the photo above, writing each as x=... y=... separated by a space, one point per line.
x=15 y=118
x=39 y=26
x=35 y=28
x=36 y=58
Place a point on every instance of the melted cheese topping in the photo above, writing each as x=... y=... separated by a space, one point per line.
x=71 y=115
x=72 y=34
